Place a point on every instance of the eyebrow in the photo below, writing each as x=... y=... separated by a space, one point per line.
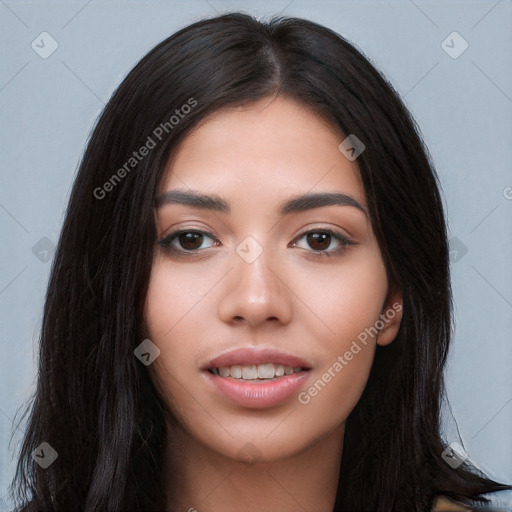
x=195 y=199
x=317 y=200
x=296 y=204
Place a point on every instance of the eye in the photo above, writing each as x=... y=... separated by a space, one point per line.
x=323 y=241
x=188 y=241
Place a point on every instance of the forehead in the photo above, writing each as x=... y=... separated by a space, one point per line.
x=275 y=145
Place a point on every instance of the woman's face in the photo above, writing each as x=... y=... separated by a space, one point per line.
x=266 y=282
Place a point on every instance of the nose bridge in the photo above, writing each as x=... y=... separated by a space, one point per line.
x=257 y=279
x=256 y=292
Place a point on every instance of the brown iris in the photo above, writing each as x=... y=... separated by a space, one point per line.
x=190 y=241
x=319 y=241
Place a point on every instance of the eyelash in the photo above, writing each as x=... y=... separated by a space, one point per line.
x=342 y=240
x=166 y=241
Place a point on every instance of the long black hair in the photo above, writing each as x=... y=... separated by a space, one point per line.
x=95 y=404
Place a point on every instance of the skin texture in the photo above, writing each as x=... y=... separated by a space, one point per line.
x=222 y=456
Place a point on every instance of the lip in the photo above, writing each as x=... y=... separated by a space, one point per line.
x=250 y=356
x=258 y=394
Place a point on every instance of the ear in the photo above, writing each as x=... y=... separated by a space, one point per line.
x=391 y=317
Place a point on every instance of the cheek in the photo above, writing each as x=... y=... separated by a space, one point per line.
x=347 y=306
x=174 y=299
x=344 y=301
x=176 y=292
x=178 y=315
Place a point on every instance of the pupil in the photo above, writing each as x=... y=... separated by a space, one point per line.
x=319 y=241
x=190 y=241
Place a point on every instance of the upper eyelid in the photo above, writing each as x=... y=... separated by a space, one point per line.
x=172 y=234
x=325 y=230
x=343 y=239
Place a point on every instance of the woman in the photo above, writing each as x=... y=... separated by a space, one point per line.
x=249 y=308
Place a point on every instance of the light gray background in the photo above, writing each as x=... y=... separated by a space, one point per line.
x=463 y=107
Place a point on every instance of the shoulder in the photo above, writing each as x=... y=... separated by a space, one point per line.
x=445 y=504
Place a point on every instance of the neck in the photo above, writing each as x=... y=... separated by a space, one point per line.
x=199 y=479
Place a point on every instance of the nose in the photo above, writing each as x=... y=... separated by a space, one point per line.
x=255 y=293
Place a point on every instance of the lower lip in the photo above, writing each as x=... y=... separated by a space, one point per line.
x=259 y=395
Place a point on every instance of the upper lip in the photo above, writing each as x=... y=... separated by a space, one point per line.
x=252 y=356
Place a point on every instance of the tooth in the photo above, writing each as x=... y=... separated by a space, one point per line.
x=255 y=372
x=249 y=372
x=266 y=371
x=224 y=371
x=288 y=370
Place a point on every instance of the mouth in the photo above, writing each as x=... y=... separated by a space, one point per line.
x=251 y=364
x=265 y=372
x=257 y=379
